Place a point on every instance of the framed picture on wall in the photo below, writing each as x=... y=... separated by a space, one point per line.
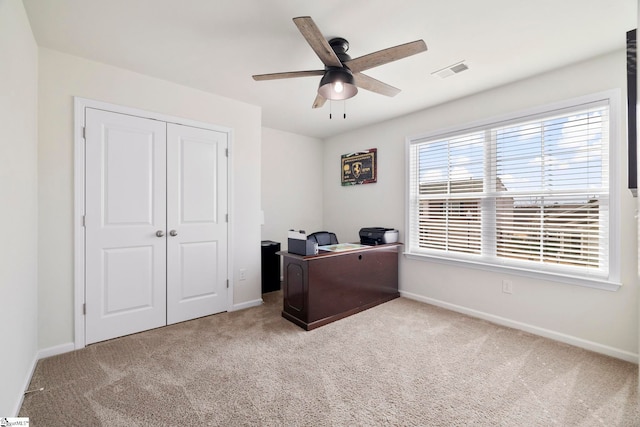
x=632 y=100
x=360 y=167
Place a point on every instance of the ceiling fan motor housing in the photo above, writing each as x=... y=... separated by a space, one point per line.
x=340 y=46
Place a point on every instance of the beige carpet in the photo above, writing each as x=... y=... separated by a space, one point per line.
x=399 y=364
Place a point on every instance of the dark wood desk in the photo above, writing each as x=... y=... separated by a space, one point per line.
x=323 y=288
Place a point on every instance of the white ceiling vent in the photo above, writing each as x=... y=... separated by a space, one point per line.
x=451 y=70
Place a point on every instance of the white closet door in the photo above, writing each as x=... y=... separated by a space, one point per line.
x=125 y=208
x=196 y=221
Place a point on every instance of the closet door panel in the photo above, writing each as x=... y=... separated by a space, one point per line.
x=125 y=205
x=196 y=215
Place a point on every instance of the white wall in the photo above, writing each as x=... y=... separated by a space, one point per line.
x=292 y=167
x=601 y=320
x=19 y=203
x=64 y=76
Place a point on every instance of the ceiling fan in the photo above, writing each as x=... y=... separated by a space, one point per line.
x=342 y=76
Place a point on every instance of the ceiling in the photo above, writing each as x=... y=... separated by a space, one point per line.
x=217 y=45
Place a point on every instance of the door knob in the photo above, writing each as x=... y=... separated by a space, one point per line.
x=159 y=233
x=173 y=233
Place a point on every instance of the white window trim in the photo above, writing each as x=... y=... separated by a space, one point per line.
x=610 y=283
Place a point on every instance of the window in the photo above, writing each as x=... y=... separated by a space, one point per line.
x=530 y=193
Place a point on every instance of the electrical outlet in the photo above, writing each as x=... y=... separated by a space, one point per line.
x=243 y=274
x=507 y=286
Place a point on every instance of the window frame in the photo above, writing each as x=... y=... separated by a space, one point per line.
x=582 y=277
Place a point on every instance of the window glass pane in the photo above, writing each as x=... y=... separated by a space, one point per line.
x=560 y=153
x=452 y=166
x=451 y=225
x=558 y=230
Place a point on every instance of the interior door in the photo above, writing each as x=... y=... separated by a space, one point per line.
x=125 y=222
x=196 y=222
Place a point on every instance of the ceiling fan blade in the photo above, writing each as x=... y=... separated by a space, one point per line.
x=316 y=40
x=319 y=101
x=386 y=55
x=287 y=75
x=369 y=83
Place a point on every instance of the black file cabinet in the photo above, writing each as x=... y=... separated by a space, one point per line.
x=270 y=266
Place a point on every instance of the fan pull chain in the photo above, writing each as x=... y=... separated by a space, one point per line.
x=344 y=109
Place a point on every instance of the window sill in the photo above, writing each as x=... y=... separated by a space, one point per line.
x=589 y=282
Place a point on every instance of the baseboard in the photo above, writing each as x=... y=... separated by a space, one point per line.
x=547 y=333
x=248 y=304
x=41 y=354
x=27 y=381
x=55 y=350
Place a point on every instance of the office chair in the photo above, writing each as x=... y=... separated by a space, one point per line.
x=323 y=238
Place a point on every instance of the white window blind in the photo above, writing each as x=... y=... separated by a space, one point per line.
x=531 y=192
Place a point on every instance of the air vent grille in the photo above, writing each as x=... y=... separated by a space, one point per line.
x=456 y=68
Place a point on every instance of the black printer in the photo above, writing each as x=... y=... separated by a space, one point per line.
x=378 y=236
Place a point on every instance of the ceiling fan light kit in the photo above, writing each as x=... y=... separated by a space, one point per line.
x=337 y=84
x=342 y=76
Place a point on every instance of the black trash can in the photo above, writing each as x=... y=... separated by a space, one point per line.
x=270 y=266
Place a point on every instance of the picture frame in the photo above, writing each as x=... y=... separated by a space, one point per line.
x=359 y=167
x=632 y=100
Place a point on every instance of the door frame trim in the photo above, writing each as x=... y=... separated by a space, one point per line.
x=79 y=105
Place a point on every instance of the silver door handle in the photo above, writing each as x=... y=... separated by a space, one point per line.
x=173 y=233
x=160 y=233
